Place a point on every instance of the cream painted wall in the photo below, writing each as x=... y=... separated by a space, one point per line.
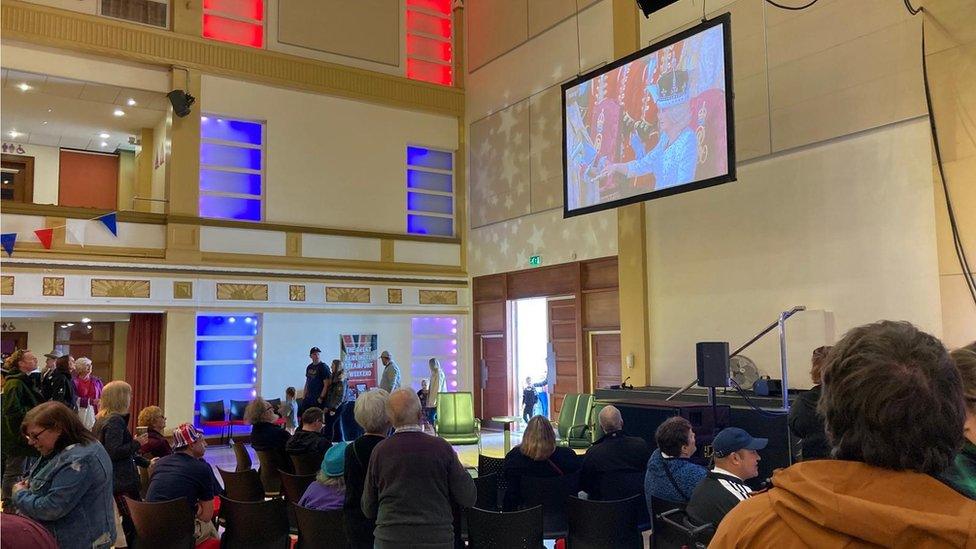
x=119 y=339
x=127 y=179
x=179 y=367
x=845 y=227
x=287 y=337
x=40 y=335
x=47 y=162
x=160 y=163
x=328 y=159
x=85 y=67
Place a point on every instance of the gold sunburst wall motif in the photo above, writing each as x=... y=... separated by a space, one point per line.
x=296 y=292
x=347 y=295
x=7 y=285
x=53 y=286
x=242 y=292
x=106 y=287
x=394 y=295
x=438 y=297
x=182 y=289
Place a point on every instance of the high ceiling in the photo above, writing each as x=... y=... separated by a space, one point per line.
x=60 y=112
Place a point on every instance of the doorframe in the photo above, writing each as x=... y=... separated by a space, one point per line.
x=28 y=162
x=589 y=353
x=482 y=378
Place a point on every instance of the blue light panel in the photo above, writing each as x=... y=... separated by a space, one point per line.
x=429 y=181
x=230 y=130
x=230 y=182
x=230 y=207
x=227 y=156
x=432 y=203
x=428 y=158
x=425 y=224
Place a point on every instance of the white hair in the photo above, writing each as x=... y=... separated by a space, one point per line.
x=610 y=419
x=83 y=363
x=370 y=411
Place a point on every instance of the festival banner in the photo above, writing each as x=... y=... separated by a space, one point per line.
x=358 y=355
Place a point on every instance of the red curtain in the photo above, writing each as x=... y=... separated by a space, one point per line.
x=143 y=353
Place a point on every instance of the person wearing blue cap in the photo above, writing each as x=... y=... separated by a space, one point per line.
x=328 y=492
x=736 y=461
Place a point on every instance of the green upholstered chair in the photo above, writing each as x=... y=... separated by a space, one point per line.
x=575 y=425
x=455 y=419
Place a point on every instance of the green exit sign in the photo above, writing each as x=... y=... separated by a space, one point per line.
x=535 y=261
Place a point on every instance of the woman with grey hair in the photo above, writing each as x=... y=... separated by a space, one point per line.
x=88 y=391
x=265 y=434
x=370 y=412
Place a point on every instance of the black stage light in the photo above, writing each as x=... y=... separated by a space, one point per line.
x=181 y=102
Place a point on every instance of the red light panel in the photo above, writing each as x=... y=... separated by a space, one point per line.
x=235 y=32
x=420 y=46
x=440 y=6
x=428 y=24
x=249 y=9
x=429 y=72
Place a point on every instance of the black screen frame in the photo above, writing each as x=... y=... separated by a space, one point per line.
x=726 y=21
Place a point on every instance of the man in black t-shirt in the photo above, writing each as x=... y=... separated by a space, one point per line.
x=315 y=375
x=184 y=474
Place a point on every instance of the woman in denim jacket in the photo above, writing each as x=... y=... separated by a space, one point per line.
x=69 y=489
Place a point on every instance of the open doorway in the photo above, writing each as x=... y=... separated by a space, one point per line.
x=530 y=350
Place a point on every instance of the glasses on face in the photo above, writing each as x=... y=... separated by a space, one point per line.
x=34 y=436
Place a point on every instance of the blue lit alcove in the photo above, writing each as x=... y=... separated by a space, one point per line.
x=226 y=362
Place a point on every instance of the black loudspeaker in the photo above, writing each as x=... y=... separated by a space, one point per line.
x=713 y=363
x=650 y=6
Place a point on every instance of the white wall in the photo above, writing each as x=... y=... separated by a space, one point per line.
x=47 y=162
x=287 y=337
x=328 y=159
x=85 y=67
x=846 y=226
x=40 y=335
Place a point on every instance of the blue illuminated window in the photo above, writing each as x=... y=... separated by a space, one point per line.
x=231 y=168
x=226 y=361
x=430 y=191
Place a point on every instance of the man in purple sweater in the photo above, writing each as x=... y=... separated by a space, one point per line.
x=413 y=481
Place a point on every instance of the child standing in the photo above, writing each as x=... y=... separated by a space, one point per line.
x=529 y=399
x=289 y=410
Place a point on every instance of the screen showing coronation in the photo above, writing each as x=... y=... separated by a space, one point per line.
x=656 y=123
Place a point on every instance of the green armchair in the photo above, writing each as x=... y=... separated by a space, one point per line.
x=455 y=419
x=575 y=425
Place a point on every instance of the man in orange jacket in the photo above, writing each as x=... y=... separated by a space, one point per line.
x=893 y=406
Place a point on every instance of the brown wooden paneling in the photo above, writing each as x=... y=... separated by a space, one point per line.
x=601 y=310
x=562 y=314
x=487 y=288
x=564 y=331
x=599 y=273
x=547 y=281
x=564 y=335
x=606 y=359
x=489 y=317
x=493 y=397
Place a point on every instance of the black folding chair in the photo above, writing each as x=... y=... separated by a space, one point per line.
x=162 y=525
x=599 y=524
x=242 y=485
x=551 y=493
x=515 y=530
x=254 y=525
x=320 y=529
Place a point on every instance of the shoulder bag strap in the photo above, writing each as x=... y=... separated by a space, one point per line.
x=674 y=483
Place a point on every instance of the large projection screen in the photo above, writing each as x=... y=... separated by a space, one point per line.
x=655 y=123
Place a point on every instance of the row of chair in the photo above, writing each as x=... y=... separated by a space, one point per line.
x=214 y=414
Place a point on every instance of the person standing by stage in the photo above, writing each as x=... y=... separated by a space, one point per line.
x=335 y=395
x=315 y=375
x=390 y=379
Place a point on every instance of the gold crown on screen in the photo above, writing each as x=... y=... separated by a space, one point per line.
x=673 y=88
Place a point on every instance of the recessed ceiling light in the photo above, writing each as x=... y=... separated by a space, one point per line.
x=86 y=320
x=24 y=86
x=14 y=134
x=119 y=112
x=69 y=324
x=131 y=102
x=104 y=135
x=50 y=110
x=104 y=144
x=44 y=123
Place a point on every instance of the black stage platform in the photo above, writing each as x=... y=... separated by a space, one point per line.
x=644 y=408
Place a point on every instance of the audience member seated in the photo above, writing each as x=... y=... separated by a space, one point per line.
x=536 y=456
x=961 y=474
x=185 y=474
x=112 y=429
x=894 y=410
x=328 y=492
x=805 y=423
x=265 y=434
x=157 y=446
x=671 y=475
x=69 y=490
x=615 y=463
x=736 y=461
x=309 y=439
x=414 y=481
x=370 y=413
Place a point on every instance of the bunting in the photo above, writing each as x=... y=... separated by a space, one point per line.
x=75 y=232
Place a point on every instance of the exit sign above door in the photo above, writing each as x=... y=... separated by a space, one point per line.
x=535 y=261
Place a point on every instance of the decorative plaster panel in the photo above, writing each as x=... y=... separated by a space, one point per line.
x=103 y=287
x=242 y=292
x=347 y=295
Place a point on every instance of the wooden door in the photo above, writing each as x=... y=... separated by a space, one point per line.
x=605 y=359
x=563 y=334
x=17 y=178
x=93 y=340
x=13 y=341
x=494 y=377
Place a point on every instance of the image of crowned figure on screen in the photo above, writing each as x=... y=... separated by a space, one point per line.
x=656 y=122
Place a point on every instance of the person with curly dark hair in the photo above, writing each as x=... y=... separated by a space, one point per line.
x=894 y=412
x=961 y=475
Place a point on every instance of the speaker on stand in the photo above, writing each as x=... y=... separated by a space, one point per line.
x=712 y=361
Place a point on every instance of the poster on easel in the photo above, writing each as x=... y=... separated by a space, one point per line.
x=358 y=354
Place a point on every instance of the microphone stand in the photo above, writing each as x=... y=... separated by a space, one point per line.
x=781 y=324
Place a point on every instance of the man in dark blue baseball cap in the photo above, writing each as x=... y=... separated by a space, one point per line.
x=736 y=461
